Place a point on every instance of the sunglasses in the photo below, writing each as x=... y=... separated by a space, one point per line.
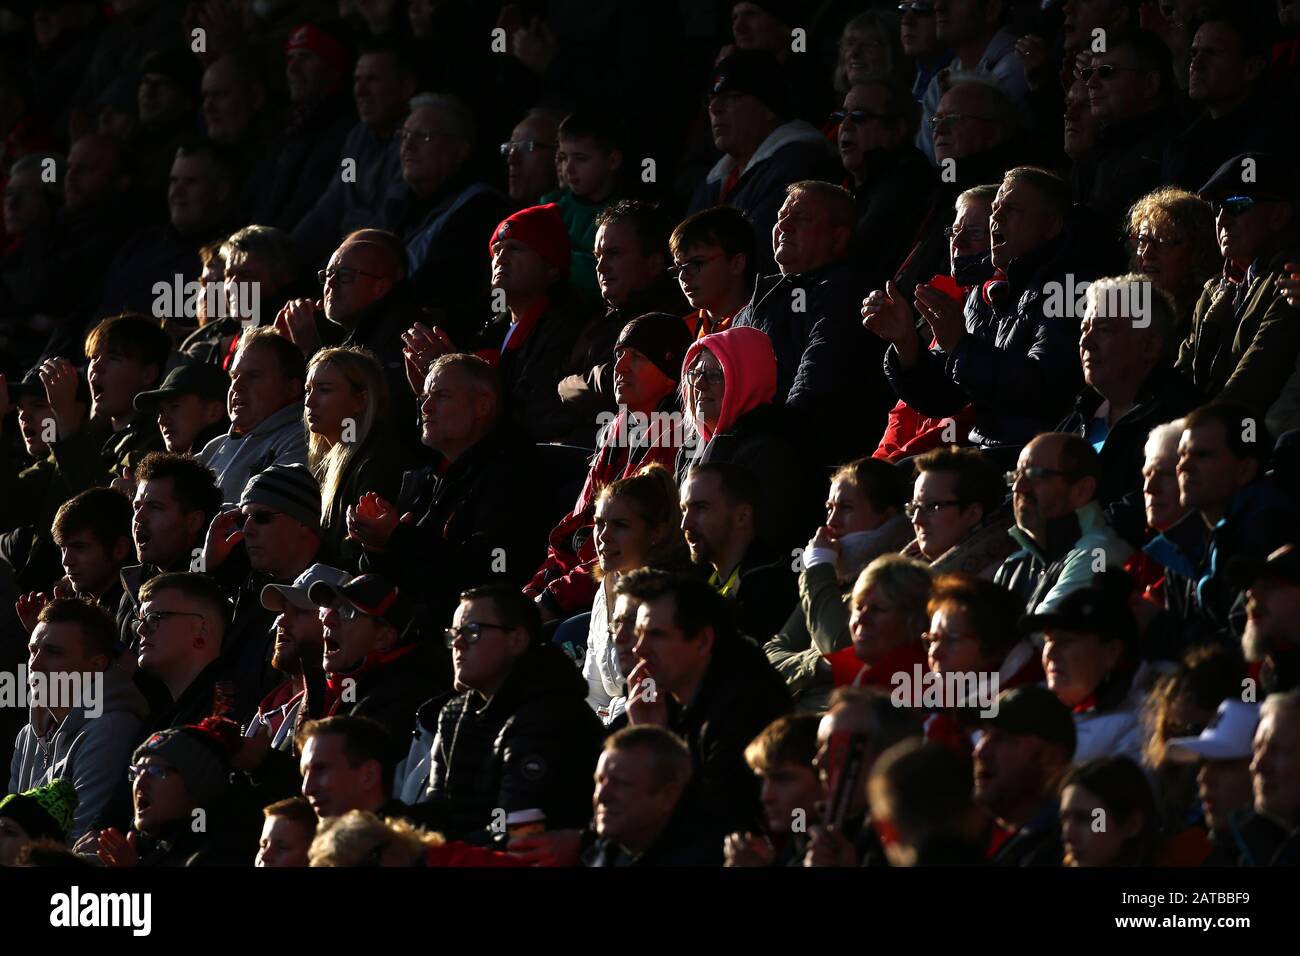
x=858 y=117
x=262 y=518
x=1233 y=205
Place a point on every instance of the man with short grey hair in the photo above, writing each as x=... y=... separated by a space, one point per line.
x=445 y=214
x=1127 y=343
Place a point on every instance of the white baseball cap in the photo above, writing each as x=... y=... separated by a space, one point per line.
x=1227 y=737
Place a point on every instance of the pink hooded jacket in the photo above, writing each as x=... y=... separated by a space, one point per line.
x=748 y=376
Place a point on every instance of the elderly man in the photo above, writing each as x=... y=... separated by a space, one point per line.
x=1012 y=354
x=975 y=31
x=1269 y=835
x=446 y=213
x=1063 y=535
x=383 y=83
x=764 y=150
x=807 y=310
x=1126 y=345
x=530 y=155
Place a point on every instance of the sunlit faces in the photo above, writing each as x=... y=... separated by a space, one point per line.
x=158 y=795
x=1275 y=767
x=284 y=842
x=163 y=531
x=359 y=274
x=531 y=173
x=951 y=646
x=299 y=635
x=90 y=565
x=348 y=639
x=709 y=276
x=638 y=382
x=258 y=388
x=177 y=634
x=1163 y=255
x=784 y=789
x=59 y=647
x=623 y=537
x=1021 y=221
x=1076 y=663
x=803 y=238
x=115 y=379
x=518 y=269
x=875 y=132
x=483 y=664
x=452 y=410
x=330 y=400
x=35 y=418
x=1218 y=68
x=675 y=661
x=876 y=625
x=711 y=520
x=627 y=804
x=623 y=634
x=706 y=387
x=940 y=519
x=849 y=511
x=1160 y=489
x=1208 y=473
x=330 y=782
x=181 y=419
x=970 y=229
x=622 y=267
x=589 y=170
x=1272 y=613
x=1087 y=844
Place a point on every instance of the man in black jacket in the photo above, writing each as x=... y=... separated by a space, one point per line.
x=520 y=736
x=468 y=518
x=1270 y=836
x=704 y=681
x=809 y=311
x=1127 y=343
x=1013 y=353
x=1025 y=748
x=720 y=501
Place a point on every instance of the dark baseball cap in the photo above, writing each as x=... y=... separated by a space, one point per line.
x=370 y=594
x=201 y=379
x=756 y=72
x=1257 y=175
x=1035 y=710
x=32 y=387
x=1283 y=564
x=1090 y=610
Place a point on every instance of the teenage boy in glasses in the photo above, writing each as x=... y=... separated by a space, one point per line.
x=1244 y=337
x=519 y=734
x=713 y=261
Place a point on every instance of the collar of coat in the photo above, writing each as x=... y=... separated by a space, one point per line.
x=1062 y=532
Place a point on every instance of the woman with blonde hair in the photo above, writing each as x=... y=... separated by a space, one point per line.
x=1173 y=242
x=350 y=448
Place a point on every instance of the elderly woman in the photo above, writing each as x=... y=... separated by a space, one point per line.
x=887 y=616
x=1172 y=237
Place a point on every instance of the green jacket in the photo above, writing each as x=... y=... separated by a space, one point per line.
x=580 y=220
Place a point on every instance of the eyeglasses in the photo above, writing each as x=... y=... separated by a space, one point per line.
x=940 y=120
x=420 y=137
x=952 y=232
x=922 y=8
x=157 y=771
x=914 y=508
x=1233 y=205
x=692 y=267
x=145 y=624
x=262 y=518
x=858 y=117
x=1103 y=72
x=1144 y=240
x=345 y=610
x=698 y=376
x=470 y=632
x=343 y=274
x=1034 y=473
x=524 y=145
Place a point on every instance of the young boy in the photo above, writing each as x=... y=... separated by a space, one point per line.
x=781 y=756
x=713 y=259
x=588 y=165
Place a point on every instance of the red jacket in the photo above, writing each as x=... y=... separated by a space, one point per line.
x=565 y=576
x=463 y=854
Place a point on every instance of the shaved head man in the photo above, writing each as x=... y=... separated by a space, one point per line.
x=360 y=273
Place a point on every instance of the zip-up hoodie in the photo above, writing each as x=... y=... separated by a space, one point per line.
x=92 y=753
x=279 y=439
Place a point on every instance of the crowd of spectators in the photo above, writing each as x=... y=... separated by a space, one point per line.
x=651 y=433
